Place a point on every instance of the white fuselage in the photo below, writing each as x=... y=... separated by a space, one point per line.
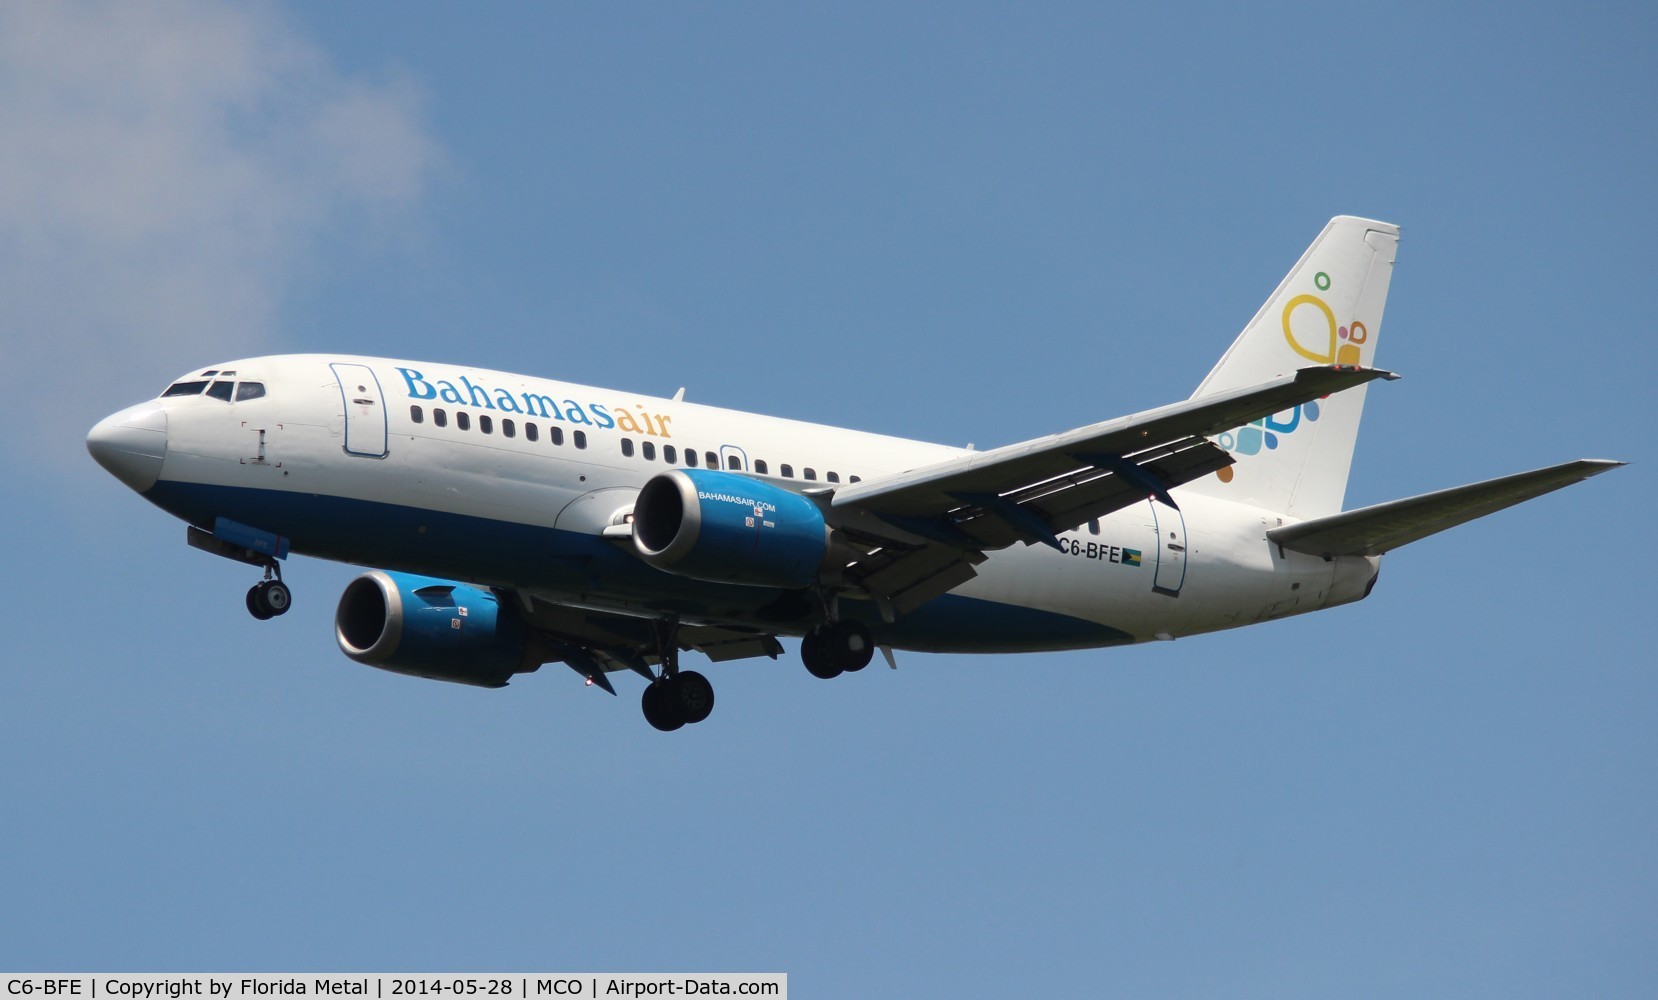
x=366 y=460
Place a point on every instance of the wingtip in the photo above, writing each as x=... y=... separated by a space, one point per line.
x=1365 y=374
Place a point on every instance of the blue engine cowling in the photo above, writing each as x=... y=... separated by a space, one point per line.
x=728 y=528
x=431 y=628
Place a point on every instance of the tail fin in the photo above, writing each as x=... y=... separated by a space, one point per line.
x=1327 y=310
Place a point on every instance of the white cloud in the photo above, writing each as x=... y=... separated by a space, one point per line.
x=165 y=170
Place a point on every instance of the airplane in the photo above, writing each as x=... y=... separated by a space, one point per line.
x=513 y=521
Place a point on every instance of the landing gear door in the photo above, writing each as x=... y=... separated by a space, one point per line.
x=1170 y=526
x=365 y=410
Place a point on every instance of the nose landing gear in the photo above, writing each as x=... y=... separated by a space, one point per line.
x=268 y=598
x=271 y=597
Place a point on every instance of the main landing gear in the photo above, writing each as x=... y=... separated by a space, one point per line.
x=678 y=699
x=830 y=650
x=675 y=697
x=271 y=597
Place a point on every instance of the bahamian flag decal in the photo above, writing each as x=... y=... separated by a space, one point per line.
x=1131 y=557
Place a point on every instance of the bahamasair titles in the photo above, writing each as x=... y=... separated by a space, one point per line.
x=510 y=521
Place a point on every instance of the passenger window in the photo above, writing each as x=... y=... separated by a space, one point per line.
x=580 y=438
x=463 y=420
x=627 y=447
x=1094 y=526
x=221 y=390
x=440 y=417
x=670 y=454
x=857 y=479
x=760 y=466
x=417 y=414
x=733 y=463
x=809 y=473
x=555 y=435
x=486 y=424
x=531 y=433
x=249 y=390
x=691 y=458
x=788 y=471
x=649 y=451
x=507 y=428
x=833 y=477
x=184 y=389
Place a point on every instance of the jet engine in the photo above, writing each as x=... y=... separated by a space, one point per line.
x=728 y=528
x=431 y=628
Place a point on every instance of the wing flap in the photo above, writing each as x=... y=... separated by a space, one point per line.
x=626 y=642
x=1371 y=531
x=721 y=644
x=910 y=577
x=1095 y=491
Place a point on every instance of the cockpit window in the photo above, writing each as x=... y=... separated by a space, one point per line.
x=221 y=390
x=185 y=389
x=249 y=390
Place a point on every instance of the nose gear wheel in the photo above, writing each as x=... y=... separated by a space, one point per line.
x=269 y=599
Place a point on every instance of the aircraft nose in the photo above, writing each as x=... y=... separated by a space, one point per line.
x=131 y=444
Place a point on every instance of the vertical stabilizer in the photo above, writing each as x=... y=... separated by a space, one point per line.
x=1327 y=310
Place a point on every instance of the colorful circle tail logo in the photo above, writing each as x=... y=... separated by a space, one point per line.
x=1331 y=343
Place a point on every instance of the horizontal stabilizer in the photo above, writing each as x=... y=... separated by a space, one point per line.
x=1371 y=531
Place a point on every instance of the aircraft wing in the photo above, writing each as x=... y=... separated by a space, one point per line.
x=925 y=529
x=1371 y=531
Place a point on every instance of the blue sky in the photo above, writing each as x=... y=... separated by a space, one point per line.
x=954 y=222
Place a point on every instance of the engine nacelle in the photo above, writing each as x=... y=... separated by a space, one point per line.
x=729 y=528
x=431 y=628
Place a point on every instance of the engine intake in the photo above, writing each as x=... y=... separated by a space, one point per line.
x=431 y=628
x=728 y=528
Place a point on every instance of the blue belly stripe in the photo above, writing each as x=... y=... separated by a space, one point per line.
x=508 y=554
